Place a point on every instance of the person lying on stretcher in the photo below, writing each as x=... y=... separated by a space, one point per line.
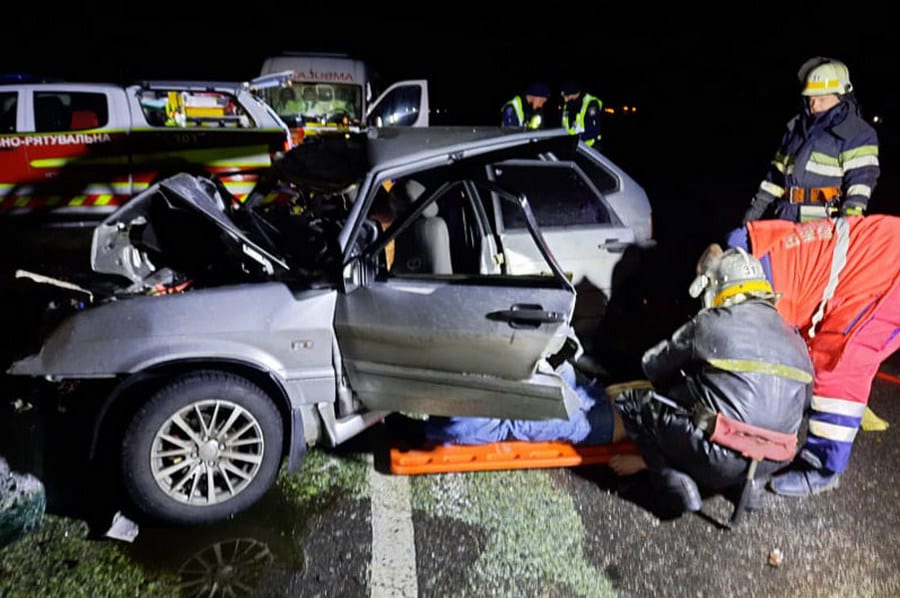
x=736 y=365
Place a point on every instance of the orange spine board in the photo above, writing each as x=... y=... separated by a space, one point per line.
x=503 y=455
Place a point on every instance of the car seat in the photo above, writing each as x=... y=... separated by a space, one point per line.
x=424 y=248
x=84 y=119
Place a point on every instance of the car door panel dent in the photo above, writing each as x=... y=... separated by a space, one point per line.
x=382 y=386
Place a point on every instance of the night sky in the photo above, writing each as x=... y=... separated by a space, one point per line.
x=663 y=59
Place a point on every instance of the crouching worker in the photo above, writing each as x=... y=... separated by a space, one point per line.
x=736 y=365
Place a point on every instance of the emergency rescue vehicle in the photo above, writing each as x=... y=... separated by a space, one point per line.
x=77 y=151
x=331 y=93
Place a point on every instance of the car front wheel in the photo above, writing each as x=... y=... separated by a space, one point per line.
x=203 y=448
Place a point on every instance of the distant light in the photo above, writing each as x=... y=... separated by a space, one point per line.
x=877 y=119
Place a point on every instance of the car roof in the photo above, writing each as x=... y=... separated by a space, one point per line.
x=59 y=85
x=387 y=144
x=188 y=85
x=334 y=162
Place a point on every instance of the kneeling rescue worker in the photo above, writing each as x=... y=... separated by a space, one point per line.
x=735 y=371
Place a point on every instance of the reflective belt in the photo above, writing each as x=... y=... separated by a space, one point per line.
x=823 y=195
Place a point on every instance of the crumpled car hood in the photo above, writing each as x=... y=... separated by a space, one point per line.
x=178 y=223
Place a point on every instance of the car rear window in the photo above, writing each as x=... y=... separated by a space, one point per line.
x=558 y=194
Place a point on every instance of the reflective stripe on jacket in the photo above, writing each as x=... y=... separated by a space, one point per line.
x=591 y=134
x=517 y=110
x=513 y=114
x=750 y=332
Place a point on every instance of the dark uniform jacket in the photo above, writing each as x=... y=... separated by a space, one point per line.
x=703 y=362
x=836 y=149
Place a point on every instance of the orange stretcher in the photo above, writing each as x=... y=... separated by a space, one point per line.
x=503 y=455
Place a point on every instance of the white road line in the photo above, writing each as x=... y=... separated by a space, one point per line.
x=393 y=542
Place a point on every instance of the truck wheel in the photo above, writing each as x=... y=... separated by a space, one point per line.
x=203 y=448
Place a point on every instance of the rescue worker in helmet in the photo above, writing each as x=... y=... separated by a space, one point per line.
x=827 y=161
x=736 y=357
x=847 y=308
x=526 y=110
x=581 y=112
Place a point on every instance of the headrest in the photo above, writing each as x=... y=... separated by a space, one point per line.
x=414 y=189
x=431 y=211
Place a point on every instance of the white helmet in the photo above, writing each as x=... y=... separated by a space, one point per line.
x=730 y=278
x=824 y=76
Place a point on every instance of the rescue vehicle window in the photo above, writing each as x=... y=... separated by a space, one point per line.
x=89 y=110
x=208 y=109
x=69 y=111
x=8 y=104
x=558 y=195
x=51 y=113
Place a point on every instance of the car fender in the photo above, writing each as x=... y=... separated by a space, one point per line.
x=265 y=325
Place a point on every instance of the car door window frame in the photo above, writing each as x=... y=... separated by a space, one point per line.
x=538 y=166
x=375 y=249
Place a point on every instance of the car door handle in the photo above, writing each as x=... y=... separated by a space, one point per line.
x=527 y=317
x=614 y=245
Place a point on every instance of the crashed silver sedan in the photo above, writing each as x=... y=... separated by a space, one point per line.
x=365 y=275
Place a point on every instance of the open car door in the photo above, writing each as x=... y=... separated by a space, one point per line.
x=403 y=104
x=470 y=341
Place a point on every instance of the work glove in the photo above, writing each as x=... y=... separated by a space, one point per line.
x=755 y=211
x=852 y=208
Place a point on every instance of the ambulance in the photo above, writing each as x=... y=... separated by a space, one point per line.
x=333 y=93
x=74 y=152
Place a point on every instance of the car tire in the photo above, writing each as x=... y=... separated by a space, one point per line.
x=202 y=448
